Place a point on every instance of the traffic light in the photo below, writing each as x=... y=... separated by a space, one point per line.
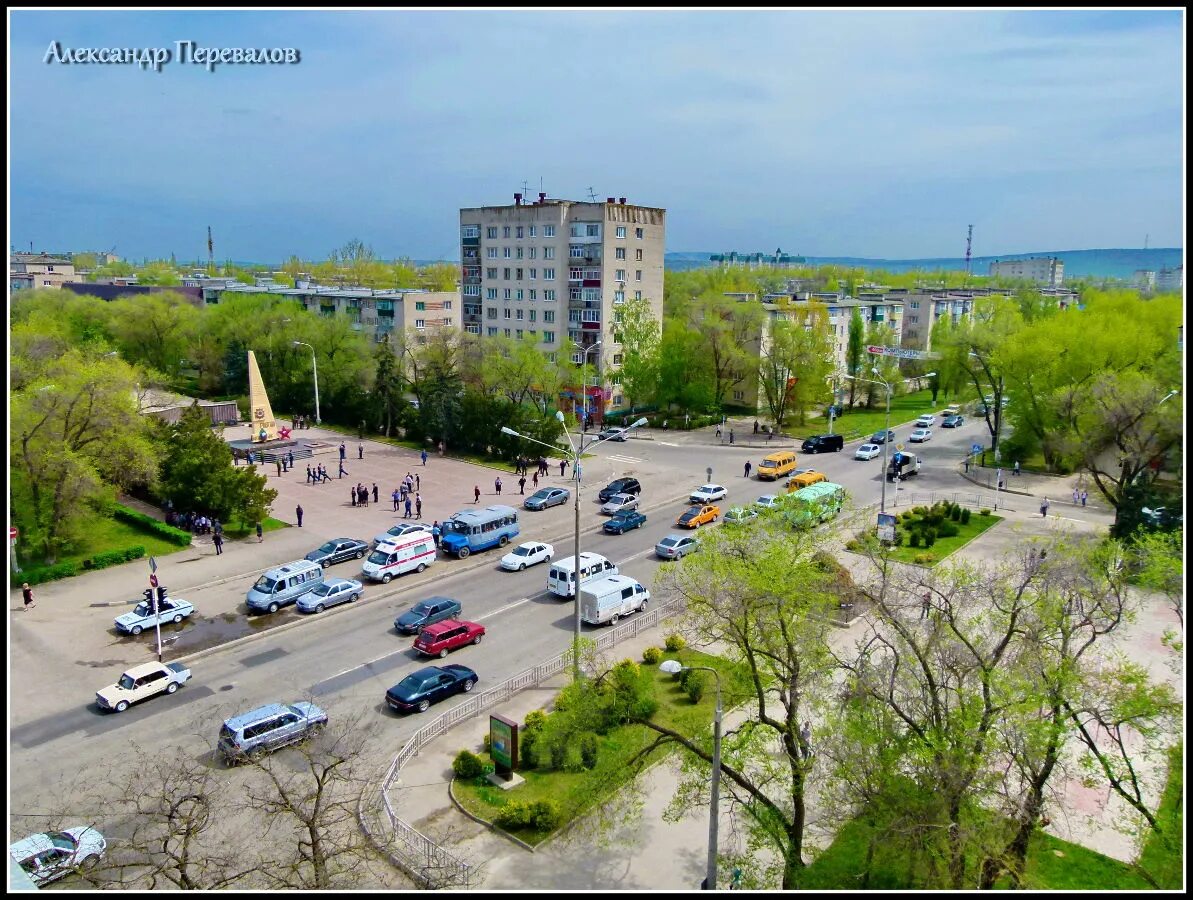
x=148 y=594
x=161 y=593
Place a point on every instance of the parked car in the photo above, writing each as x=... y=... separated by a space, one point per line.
x=283 y=585
x=823 y=443
x=338 y=550
x=707 y=493
x=400 y=530
x=529 y=554
x=927 y=420
x=142 y=682
x=622 y=522
x=1162 y=517
x=546 y=497
x=331 y=592
x=612 y=434
x=951 y=410
x=50 y=855
x=605 y=600
x=881 y=437
x=953 y=421
x=619 y=502
x=450 y=634
x=699 y=515
x=420 y=689
x=620 y=486
x=805 y=478
x=920 y=435
x=267 y=729
x=867 y=451
x=169 y=609
x=427 y=612
x=739 y=515
x=767 y=501
x=676 y=546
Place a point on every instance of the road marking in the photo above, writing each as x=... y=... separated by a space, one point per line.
x=362 y=665
x=623 y=458
x=667 y=443
x=503 y=609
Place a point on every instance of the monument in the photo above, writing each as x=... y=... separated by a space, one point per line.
x=268 y=442
x=260 y=413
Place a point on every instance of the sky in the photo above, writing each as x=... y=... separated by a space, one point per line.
x=859 y=133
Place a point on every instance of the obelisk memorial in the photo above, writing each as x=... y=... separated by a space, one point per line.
x=260 y=413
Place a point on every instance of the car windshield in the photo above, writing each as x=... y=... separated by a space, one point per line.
x=668 y=542
x=377 y=557
x=451 y=525
x=410 y=684
x=540 y=495
x=142 y=609
x=522 y=551
x=61 y=839
x=322 y=590
x=125 y=682
x=421 y=609
x=264 y=584
x=329 y=547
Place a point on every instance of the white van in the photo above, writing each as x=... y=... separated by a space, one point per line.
x=409 y=553
x=561 y=579
x=283 y=585
x=608 y=599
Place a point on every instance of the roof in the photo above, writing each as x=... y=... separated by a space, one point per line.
x=818 y=490
x=479 y=515
x=256 y=715
x=144 y=669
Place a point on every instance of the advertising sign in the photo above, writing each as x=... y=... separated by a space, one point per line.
x=503 y=744
x=886 y=528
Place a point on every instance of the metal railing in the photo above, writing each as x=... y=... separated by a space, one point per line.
x=415 y=853
x=975 y=499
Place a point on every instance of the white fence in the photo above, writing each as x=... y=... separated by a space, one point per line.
x=975 y=499
x=418 y=855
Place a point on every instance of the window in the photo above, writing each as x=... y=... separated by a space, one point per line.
x=518 y=333
x=517 y=274
x=505 y=231
x=592 y=295
x=548 y=315
x=548 y=253
x=915 y=304
x=590 y=315
x=739 y=395
x=578 y=252
x=530 y=251
x=573 y=315
x=637 y=274
x=549 y=338
x=534 y=294
x=620 y=253
x=507 y=332
x=620 y=276
x=518 y=294
x=505 y=273
x=533 y=313
x=491 y=231
x=505 y=313
x=505 y=252
x=506 y=292
x=492 y=332
x=549 y=294
x=619 y=296
x=638 y=233
x=491 y=312
x=534 y=273
x=549 y=274
x=637 y=295
x=617 y=359
x=616 y=378
x=638 y=255
x=470 y=231
x=617 y=401
x=518 y=253
x=577 y=230
x=575 y=274
x=621 y=231
x=491 y=272
x=518 y=232
x=548 y=231
x=491 y=252
x=490 y=293
x=420 y=323
x=472 y=290
x=533 y=230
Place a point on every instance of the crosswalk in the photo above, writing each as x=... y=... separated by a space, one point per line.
x=620 y=458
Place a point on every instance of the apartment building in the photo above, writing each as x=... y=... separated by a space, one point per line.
x=39 y=270
x=555 y=271
x=1045 y=270
x=1170 y=279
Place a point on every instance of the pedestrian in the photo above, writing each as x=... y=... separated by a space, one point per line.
x=1015 y=471
x=967 y=465
x=354 y=496
x=563 y=464
x=535 y=479
x=323 y=470
x=298 y=515
x=998 y=478
x=376 y=492
x=308 y=473
x=360 y=451
x=1084 y=497
x=476 y=493
x=731 y=435
x=407 y=515
x=260 y=532
x=279 y=462
x=770 y=432
x=435 y=532
x=925 y=604
x=1076 y=496
x=218 y=540
x=424 y=457
x=27 y=593
x=718 y=432
x=1044 y=508
x=418 y=506
x=219 y=528
x=755 y=426
x=343 y=471
x=497 y=485
x=343 y=451
x=805 y=739
x=364 y=496
x=748 y=467
x=418 y=482
x=664 y=424
x=522 y=485
x=441 y=448
x=395 y=496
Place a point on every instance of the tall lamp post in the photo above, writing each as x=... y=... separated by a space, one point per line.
x=672 y=666
x=315 y=367
x=577 y=452
x=584 y=381
x=887 y=435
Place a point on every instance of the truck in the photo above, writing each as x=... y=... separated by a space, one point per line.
x=608 y=599
x=903 y=464
x=142 y=682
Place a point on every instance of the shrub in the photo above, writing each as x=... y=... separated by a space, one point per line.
x=544 y=814
x=899 y=537
x=674 y=643
x=113 y=557
x=589 y=748
x=528 y=750
x=652 y=656
x=488 y=742
x=515 y=814
x=853 y=544
x=984 y=512
x=925 y=559
x=559 y=754
x=535 y=720
x=695 y=687
x=42 y=574
x=965 y=517
x=914 y=540
x=152 y=525
x=467 y=764
x=929 y=537
x=948 y=529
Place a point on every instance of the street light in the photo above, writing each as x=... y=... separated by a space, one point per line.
x=315 y=366
x=584 y=381
x=577 y=452
x=672 y=666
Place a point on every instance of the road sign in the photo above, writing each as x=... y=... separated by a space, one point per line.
x=12 y=534
x=975 y=449
x=902 y=353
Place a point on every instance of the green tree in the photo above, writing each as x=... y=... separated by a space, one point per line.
x=155 y=330
x=796 y=361
x=441 y=276
x=639 y=334
x=726 y=328
x=389 y=384
x=854 y=350
x=685 y=377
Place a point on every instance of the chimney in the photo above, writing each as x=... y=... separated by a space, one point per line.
x=610 y=199
x=621 y=200
x=542 y=196
x=517 y=199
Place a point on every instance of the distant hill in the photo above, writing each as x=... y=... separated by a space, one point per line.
x=1078 y=263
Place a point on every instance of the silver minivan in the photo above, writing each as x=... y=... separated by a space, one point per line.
x=267 y=729
x=282 y=586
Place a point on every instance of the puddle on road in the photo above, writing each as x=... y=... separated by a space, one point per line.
x=224 y=628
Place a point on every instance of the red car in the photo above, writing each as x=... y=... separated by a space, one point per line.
x=438 y=639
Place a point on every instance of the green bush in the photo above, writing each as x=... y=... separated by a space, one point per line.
x=948 y=529
x=925 y=559
x=914 y=540
x=113 y=557
x=467 y=764
x=900 y=535
x=984 y=512
x=674 y=643
x=559 y=753
x=589 y=749
x=695 y=686
x=544 y=814
x=528 y=750
x=965 y=517
x=42 y=574
x=955 y=512
x=152 y=525
x=652 y=656
x=488 y=742
x=929 y=537
x=515 y=814
x=853 y=544
x=535 y=720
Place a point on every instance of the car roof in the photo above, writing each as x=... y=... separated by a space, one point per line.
x=336 y=582
x=143 y=669
x=256 y=715
x=445 y=624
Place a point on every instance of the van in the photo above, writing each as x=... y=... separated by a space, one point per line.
x=409 y=553
x=903 y=464
x=823 y=443
x=812 y=505
x=471 y=530
x=561 y=579
x=805 y=479
x=776 y=465
x=608 y=599
x=268 y=728
x=283 y=585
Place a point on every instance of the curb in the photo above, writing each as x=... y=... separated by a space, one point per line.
x=972 y=480
x=493 y=828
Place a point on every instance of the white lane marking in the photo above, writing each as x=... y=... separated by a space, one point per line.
x=667 y=443
x=502 y=609
x=363 y=665
x=623 y=458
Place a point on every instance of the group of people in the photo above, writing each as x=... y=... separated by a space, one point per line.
x=301 y=422
x=318 y=474
x=360 y=494
x=195 y=523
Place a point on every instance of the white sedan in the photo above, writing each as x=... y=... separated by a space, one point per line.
x=527 y=554
x=927 y=420
x=920 y=435
x=619 y=502
x=707 y=493
x=868 y=451
x=49 y=856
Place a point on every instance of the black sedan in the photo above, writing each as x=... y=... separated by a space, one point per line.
x=419 y=690
x=338 y=550
x=624 y=521
x=881 y=437
x=953 y=422
x=545 y=497
x=426 y=612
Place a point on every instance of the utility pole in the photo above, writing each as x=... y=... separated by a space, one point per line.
x=969 y=252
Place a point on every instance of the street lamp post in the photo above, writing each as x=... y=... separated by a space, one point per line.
x=315 y=367
x=577 y=452
x=672 y=666
x=584 y=382
x=887 y=436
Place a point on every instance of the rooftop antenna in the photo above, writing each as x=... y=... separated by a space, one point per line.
x=525 y=189
x=969 y=251
x=591 y=197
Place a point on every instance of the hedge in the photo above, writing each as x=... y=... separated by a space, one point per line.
x=152 y=525
x=113 y=557
x=69 y=568
x=42 y=574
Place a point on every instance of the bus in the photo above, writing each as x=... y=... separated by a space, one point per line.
x=814 y=504
x=471 y=530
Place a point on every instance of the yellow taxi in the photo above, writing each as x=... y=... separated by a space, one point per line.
x=699 y=515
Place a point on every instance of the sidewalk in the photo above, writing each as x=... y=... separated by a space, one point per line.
x=647 y=853
x=1057 y=488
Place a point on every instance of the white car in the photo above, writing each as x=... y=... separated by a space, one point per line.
x=49 y=856
x=619 y=502
x=767 y=501
x=927 y=420
x=867 y=451
x=707 y=493
x=400 y=529
x=528 y=554
x=142 y=682
x=920 y=435
x=169 y=609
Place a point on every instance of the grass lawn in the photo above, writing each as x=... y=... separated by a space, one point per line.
x=104 y=534
x=944 y=546
x=239 y=530
x=577 y=792
x=1163 y=854
x=904 y=408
